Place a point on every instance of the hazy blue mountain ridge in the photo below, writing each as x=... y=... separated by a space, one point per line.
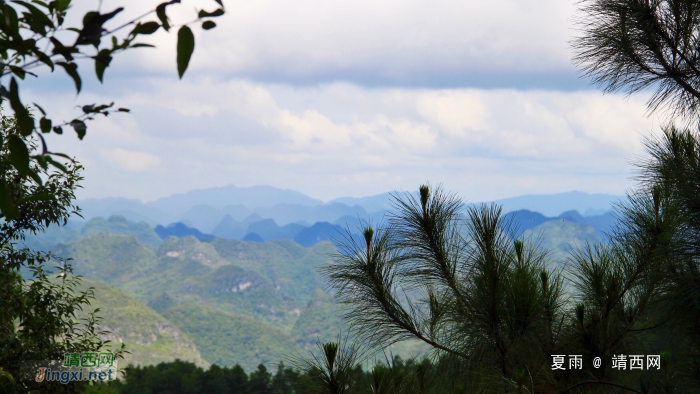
x=560 y=236
x=120 y=225
x=377 y=202
x=523 y=220
x=133 y=210
x=181 y=230
x=556 y=204
x=320 y=231
x=250 y=197
x=55 y=235
x=267 y=229
x=206 y=209
x=229 y=228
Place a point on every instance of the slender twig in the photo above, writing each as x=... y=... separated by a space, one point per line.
x=131 y=22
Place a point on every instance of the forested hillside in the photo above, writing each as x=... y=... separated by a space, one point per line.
x=236 y=302
x=149 y=337
x=226 y=301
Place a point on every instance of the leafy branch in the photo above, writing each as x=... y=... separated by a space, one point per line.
x=33 y=34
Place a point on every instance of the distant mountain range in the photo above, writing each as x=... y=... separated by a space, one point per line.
x=555 y=204
x=228 y=211
x=262 y=230
x=524 y=220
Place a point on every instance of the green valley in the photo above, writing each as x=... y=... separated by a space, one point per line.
x=227 y=339
x=149 y=337
x=222 y=301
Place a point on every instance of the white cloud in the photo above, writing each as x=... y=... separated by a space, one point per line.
x=342 y=139
x=227 y=123
x=131 y=160
x=395 y=42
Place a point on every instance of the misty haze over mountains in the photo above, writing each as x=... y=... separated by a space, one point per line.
x=239 y=266
x=263 y=213
x=288 y=206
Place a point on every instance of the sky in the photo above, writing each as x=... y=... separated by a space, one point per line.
x=335 y=98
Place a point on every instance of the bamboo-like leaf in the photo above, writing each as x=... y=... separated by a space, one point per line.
x=24 y=119
x=102 y=60
x=19 y=154
x=185 y=47
x=72 y=71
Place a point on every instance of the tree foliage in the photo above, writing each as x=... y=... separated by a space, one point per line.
x=183 y=377
x=39 y=299
x=35 y=35
x=634 y=45
x=494 y=307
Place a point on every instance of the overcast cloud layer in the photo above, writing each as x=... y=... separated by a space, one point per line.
x=334 y=98
x=441 y=43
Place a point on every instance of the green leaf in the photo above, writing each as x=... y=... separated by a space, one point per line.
x=92 y=27
x=7 y=207
x=35 y=197
x=72 y=70
x=63 y=155
x=18 y=72
x=58 y=129
x=79 y=127
x=185 y=47
x=43 y=150
x=32 y=174
x=24 y=119
x=140 y=45
x=147 y=28
x=124 y=110
x=19 y=154
x=62 y=5
x=160 y=12
x=57 y=164
x=11 y=23
x=208 y=25
x=39 y=20
x=40 y=109
x=60 y=49
x=45 y=59
x=41 y=160
x=204 y=14
x=45 y=125
x=221 y=3
x=102 y=60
